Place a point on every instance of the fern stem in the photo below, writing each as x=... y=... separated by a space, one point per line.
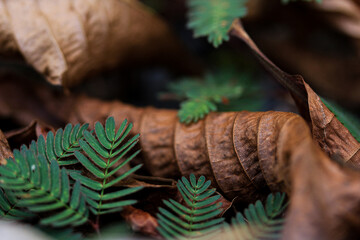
x=192 y=209
x=104 y=181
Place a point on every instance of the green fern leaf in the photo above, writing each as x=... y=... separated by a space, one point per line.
x=258 y=222
x=213 y=18
x=61 y=146
x=199 y=218
x=39 y=186
x=101 y=156
x=221 y=91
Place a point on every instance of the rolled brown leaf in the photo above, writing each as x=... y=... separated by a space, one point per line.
x=66 y=40
x=247 y=155
x=236 y=150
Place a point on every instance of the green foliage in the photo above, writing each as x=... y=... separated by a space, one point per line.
x=258 y=222
x=200 y=215
x=101 y=157
x=347 y=119
x=32 y=183
x=8 y=207
x=213 y=18
x=226 y=91
x=61 y=146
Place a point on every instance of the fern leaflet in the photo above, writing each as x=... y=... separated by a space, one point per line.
x=61 y=146
x=40 y=186
x=104 y=153
x=258 y=222
x=198 y=218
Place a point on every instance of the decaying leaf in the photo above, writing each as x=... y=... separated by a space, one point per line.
x=247 y=155
x=67 y=40
x=327 y=130
x=5 y=151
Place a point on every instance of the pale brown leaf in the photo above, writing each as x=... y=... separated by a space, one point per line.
x=66 y=40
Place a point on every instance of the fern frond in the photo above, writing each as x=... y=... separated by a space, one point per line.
x=213 y=18
x=61 y=146
x=200 y=215
x=258 y=222
x=101 y=157
x=40 y=186
x=223 y=90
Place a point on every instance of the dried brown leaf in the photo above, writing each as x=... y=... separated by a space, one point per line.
x=66 y=40
x=248 y=155
x=332 y=136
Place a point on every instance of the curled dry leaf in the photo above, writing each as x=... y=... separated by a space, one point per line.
x=332 y=136
x=247 y=155
x=5 y=151
x=65 y=40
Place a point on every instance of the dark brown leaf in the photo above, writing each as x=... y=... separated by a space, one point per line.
x=331 y=135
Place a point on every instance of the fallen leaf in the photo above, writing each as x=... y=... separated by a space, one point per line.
x=248 y=155
x=327 y=130
x=67 y=40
